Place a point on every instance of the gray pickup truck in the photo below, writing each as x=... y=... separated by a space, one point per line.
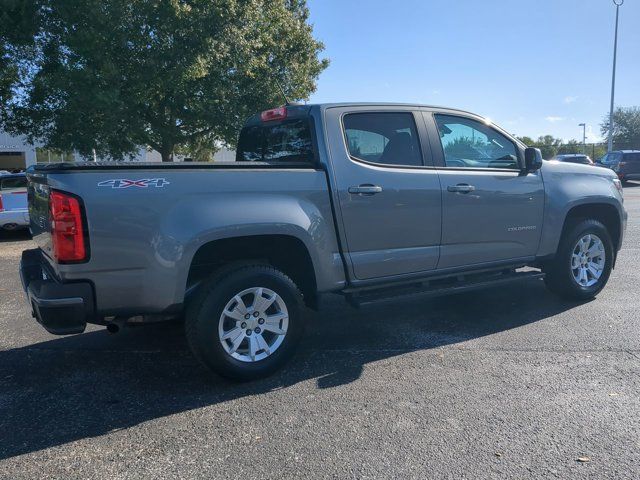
x=371 y=201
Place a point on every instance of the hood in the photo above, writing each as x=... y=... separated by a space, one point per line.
x=555 y=167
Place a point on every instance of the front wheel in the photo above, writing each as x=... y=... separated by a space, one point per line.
x=245 y=324
x=583 y=263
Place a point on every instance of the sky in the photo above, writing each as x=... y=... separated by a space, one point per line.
x=534 y=67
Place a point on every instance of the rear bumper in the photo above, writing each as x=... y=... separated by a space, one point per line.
x=14 y=217
x=61 y=308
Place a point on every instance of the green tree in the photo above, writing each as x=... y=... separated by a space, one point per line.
x=572 y=146
x=548 y=145
x=626 y=127
x=114 y=74
x=528 y=141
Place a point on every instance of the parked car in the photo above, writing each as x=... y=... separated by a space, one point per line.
x=14 y=213
x=574 y=158
x=626 y=164
x=370 y=201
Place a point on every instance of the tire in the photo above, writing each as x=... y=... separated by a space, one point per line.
x=561 y=276
x=207 y=322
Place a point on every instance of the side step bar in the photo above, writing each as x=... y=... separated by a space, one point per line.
x=436 y=287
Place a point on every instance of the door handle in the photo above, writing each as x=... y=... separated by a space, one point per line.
x=461 y=188
x=365 y=189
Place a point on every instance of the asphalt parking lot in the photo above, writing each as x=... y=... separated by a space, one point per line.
x=510 y=383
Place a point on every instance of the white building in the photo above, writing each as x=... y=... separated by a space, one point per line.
x=17 y=154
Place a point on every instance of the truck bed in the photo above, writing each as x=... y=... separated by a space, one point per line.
x=123 y=165
x=146 y=222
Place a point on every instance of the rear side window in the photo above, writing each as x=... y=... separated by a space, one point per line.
x=386 y=138
x=13 y=183
x=288 y=141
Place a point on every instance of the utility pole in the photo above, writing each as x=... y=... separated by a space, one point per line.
x=584 y=137
x=617 y=3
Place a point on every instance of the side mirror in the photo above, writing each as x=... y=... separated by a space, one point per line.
x=532 y=159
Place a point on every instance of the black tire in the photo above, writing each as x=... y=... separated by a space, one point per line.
x=559 y=276
x=203 y=314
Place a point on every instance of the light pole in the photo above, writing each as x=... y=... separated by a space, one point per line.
x=617 y=3
x=584 y=137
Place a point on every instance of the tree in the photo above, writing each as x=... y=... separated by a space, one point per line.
x=572 y=146
x=626 y=127
x=111 y=75
x=548 y=145
x=528 y=141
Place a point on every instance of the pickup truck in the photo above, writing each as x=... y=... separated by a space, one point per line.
x=371 y=201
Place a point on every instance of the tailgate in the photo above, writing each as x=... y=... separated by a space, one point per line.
x=38 y=203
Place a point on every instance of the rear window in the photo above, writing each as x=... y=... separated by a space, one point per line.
x=13 y=183
x=288 y=141
x=632 y=157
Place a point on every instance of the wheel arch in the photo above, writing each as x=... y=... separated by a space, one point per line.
x=605 y=213
x=287 y=253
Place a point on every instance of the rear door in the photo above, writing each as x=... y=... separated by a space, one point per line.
x=491 y=211
x=387 y=190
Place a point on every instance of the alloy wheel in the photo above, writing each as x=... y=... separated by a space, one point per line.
x=253 y=324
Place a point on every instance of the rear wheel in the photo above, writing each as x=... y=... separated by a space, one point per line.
x=583 y=262
x=245 y=324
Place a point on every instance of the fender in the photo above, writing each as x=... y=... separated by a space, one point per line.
x=568 y=186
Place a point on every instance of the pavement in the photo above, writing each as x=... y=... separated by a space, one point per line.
x=504 y=383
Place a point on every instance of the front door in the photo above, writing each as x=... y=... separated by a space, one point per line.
x=491 y=211
x=388 y=195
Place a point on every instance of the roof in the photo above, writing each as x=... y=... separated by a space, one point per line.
x=296 y=110
x=389 y=104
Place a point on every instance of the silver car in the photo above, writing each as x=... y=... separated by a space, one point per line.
x=14 y=211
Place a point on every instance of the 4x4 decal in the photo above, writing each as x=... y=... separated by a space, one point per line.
x=126 y=183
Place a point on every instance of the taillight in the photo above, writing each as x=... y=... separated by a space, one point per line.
x=67 y=230
x=1 y=204
x=279 y=113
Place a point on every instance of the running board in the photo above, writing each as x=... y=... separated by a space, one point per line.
x=436 y=287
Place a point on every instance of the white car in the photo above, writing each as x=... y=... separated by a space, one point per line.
x=14 y=211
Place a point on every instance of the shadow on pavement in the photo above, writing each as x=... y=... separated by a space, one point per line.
x=83 y=386
x=14 y=236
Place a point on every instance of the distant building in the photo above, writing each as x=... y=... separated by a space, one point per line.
x=17 y=154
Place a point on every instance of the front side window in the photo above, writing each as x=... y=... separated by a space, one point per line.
x=381 y=137
x=468 y=143
x=288 y=141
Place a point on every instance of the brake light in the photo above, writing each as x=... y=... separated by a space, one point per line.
x=67 y=230
x=279 y=113
x=1 y=205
